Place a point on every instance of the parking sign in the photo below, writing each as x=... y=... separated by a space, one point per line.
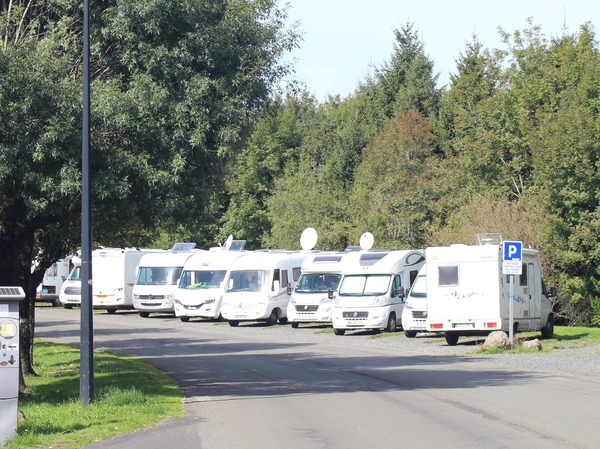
x=512 y=255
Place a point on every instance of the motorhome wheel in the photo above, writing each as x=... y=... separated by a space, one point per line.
x=451 y=339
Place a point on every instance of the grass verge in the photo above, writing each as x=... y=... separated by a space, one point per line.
x=129 y=394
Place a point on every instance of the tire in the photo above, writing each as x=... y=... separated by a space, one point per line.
x=548 y=329
x=272 y=320
x=339 y=331
x=68 y=306
x=451 y=339
x=392 y=326
x=144 y=314
x=233 y=323
x=410 y=334
x=55 y=303
x=112 y=310
x=295 y=325
x=184 y=319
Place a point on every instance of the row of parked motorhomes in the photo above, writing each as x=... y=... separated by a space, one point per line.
x=452 y=290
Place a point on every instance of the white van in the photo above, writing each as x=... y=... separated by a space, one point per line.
x=157 y=278
x=467 y=294
x=202 y=284
x=113 y=276
x=54 y=276
x=371 y=294
x=256 y=288
x=414 y=314
x=312 y=299
x=70 y=290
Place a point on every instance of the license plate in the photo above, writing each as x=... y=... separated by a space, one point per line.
x=463 y=325
x=101 y=296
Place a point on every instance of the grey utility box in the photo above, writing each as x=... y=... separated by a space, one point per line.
x=9 y=361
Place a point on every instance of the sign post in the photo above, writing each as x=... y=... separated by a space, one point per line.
x=512 y=255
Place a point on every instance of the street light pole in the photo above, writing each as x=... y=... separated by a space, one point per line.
x=86 y=373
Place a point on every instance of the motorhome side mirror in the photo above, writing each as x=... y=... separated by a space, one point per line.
x=399 y=292
x=289 y=289
x=330 y=294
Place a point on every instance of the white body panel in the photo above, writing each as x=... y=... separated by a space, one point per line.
x=414 y=314
x=467 y=294
x=370 y=295
x=54 y=276
x=267 y=298
x=202 y=284
x=310 y=301
x=70 y=291
x=157 y=279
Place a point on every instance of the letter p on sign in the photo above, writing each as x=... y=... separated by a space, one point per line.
x=512 y=251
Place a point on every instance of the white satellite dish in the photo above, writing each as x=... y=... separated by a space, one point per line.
x=366 y=241
x=228 y=241
x=308 y=239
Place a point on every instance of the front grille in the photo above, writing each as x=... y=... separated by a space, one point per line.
x=306 y=308
x=151 y=296
x=73 y=291
x=419 y=314
x=351 y=315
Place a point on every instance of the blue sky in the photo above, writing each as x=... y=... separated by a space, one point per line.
x=344 y=39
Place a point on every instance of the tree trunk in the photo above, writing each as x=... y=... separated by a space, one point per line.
x=16 y=254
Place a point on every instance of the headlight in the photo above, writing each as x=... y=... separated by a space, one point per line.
x=209 y=301
x=292 y=300
x=380 y=300
x=326 y=299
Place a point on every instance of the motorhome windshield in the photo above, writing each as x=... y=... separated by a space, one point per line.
x=159 y=275
x=75 y=274
x=248 y=280
x=317 y=282
x=418 y=289
x=365 y=285
x=202 y=279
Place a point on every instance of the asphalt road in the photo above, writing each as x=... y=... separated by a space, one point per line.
x=271 y=388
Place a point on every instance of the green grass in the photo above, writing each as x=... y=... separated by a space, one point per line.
x=564 y=338
x=129 y=394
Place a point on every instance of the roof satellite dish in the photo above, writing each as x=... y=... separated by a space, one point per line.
x=308 y=239
x=228 y=241
x=366 y=241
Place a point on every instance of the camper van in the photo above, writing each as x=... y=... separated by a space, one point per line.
x=157 y=279
x=114 y=274
x=414 y=314
x=256 y=288
x=202 y=283
x=372 y=290
x=70 y=291
x=54 y=276
x=311 y=300
x=467 y=293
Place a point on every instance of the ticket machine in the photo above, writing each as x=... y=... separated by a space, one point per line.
x=9 y=361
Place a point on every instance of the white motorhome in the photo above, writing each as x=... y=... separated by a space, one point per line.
x=312 y=299
x=113 y=276
x=414 y=314
x=70 y=291
x=202 y=284
x=467 y=294
x=256 y=288
x=157 y=279
x=54 y=276
x=371 y=293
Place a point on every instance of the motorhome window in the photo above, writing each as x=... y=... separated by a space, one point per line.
x=369 y=259
x=365 y=285
x=75 y=274
x=247 y=280
x=413 y=275
x=52 y=270
x=448 y=275
x=284 y=279
x=327 y=259
x=419 y=287
x=159 y=275
x=202 y=279
x=296 y=272
x=523 y=281
x=317 y=283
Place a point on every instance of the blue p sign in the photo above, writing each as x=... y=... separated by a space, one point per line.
x=512 y=251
